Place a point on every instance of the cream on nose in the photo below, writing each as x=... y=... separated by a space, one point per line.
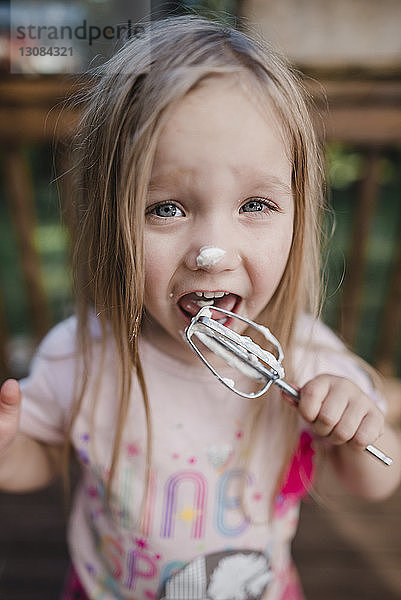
x=209 y=256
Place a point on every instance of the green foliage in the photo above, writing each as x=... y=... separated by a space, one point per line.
x=345 y=167
x=51 y=243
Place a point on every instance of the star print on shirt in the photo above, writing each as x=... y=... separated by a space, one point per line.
x=188 y=514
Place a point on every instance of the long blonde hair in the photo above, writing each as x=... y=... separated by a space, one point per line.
x=129 y=99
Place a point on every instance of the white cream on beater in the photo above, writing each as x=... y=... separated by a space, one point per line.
x=209 y=256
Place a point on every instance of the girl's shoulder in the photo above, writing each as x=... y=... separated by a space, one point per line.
x=317 y=350
x=48 y=389
x=311 y=332
x=62 y=340
x=51 y=387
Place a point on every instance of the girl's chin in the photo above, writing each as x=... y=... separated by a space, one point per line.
x=172 y=344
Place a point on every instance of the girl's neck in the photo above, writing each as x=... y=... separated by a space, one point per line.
x=175 y=347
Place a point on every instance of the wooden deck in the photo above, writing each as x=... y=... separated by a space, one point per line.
x=345 y=550
x=33 y=553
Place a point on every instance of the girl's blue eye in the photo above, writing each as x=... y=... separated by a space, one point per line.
x=166 y=210
x=255 y=205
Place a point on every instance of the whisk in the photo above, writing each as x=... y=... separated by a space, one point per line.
x=257 y=367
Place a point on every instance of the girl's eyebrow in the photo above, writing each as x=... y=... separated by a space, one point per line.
x=168 y=177
x=261 y=178
x=254 y=178
x=275 y=183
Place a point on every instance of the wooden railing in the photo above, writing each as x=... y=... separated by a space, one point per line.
x=31 y=112
x=365 y=113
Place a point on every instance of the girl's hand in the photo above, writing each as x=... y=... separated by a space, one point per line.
x=10 y=405
x=339 y=411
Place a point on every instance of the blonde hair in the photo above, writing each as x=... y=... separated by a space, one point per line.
x=129 y=100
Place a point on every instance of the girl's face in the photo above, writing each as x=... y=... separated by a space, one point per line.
x=222 y=179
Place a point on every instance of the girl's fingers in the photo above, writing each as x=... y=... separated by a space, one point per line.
x=349 y=423
x=311 y=398
x=339 y=411
x=10 y=398
x=323 y=401
x=10 y=401
x=369 y=430
x=330 y=416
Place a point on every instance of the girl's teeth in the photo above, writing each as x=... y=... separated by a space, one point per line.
x=210 y=295
x=203 y=303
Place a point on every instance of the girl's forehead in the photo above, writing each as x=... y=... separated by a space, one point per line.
x=237 y=82
x=238 y=94
x=220 y=129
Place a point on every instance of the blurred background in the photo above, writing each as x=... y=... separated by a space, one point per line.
x=350 y=56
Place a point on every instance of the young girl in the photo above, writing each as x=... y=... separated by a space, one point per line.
x=193 y=137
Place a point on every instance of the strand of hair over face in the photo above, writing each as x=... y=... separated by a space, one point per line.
x=126 y=107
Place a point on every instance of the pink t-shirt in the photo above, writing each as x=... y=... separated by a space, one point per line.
x=191 y=538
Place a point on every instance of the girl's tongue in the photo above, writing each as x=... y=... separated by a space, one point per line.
x=191 y=303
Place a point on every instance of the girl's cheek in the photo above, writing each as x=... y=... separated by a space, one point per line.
x=284 y=245
x=274 y=255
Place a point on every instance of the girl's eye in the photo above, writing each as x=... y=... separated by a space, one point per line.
x=257 y=205
x=166 y=210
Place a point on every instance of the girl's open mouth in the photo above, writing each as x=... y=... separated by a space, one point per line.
x=191 y=303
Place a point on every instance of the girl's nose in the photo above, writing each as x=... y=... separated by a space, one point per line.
x=212 y=258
